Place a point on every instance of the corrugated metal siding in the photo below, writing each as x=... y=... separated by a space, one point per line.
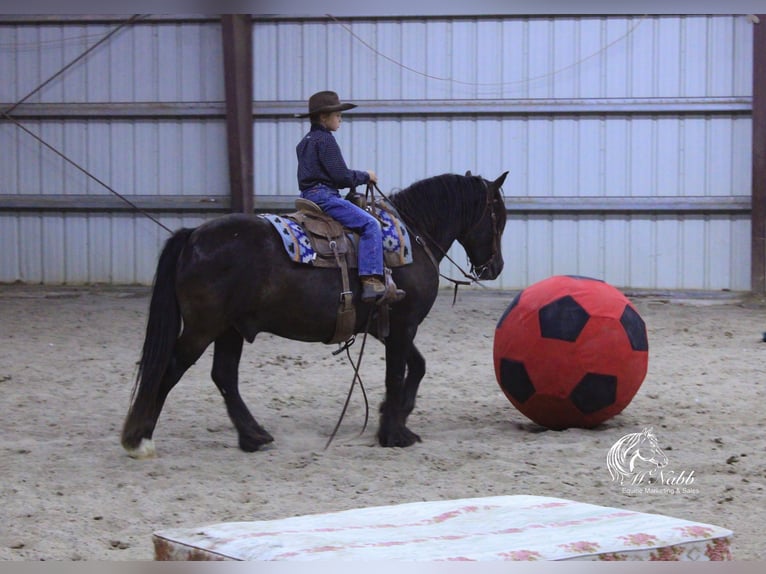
x=561 y=57
x=87 y=248
x=631 y=155
x=147 y=62
x=556 y=155
x=585 y=156
x=661 y=251
x=156 y=62
x=134 y=157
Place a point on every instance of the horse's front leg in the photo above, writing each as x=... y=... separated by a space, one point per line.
x=405 y=368
x=225 y=374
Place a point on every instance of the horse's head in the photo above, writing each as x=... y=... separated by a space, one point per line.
x=649 y=449
x=482 y=241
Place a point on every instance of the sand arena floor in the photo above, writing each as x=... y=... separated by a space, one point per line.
x=68 y=359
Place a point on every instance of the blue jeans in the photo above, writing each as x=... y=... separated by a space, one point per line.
x=355 y=219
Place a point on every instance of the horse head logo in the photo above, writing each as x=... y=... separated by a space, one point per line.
x=635 y=454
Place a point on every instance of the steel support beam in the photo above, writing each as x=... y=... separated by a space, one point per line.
x=237 y=35
x=554 y=206
x=376 y=108
x=758 y=226
x=522 y=107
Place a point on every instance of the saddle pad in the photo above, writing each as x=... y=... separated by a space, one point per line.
x=396 y=239
x=492 y=528
x=397 y=247
x=296 y=242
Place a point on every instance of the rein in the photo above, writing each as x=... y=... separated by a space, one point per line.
x=472 y=275
x=354 y=379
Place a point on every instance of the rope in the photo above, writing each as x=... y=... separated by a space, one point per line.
x=6 y=115
x=131 y=20
x=484 y=84
x=419 y=239
x=54 y=43
x=85 y=171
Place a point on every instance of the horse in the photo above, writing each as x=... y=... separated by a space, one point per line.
x=230 y=278
x=625 y=456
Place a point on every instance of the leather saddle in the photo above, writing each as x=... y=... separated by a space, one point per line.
x=334 y=248
x=328 y=238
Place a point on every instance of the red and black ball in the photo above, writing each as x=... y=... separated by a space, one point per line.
x=570 y=351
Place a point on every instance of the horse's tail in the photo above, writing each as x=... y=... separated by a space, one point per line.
x=162 y=329
x=164 y=323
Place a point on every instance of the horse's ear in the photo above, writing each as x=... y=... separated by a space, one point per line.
x=468 y=173
x=500 y=180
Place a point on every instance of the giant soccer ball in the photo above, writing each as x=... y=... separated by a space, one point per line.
x=570 y=352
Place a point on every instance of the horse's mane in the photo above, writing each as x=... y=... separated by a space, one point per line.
x=418 y=203
x=617 y=456
x=617 y=459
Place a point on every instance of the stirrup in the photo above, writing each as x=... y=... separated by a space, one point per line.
x=392 y=294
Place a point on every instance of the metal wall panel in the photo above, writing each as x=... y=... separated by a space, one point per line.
x=146 y=62
x=564 y=156
x=536 y=57
x=84 y=248
x=163 y=157
x=639 y=252
x=557 y=155
x=622 y=156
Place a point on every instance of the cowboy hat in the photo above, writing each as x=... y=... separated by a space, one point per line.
x=325 y=103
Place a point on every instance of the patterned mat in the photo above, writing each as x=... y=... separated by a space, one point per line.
x=517 y=527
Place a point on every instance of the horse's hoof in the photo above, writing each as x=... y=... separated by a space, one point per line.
x=255 y=442
x=402 y=438
x=145 y=449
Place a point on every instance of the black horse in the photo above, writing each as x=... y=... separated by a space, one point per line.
x=230 y=279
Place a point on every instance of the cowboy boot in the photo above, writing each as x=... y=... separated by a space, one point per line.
x=372 y=288
x=375 y=290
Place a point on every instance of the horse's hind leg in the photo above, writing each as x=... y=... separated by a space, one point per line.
x=228 y=350
x=147 y=406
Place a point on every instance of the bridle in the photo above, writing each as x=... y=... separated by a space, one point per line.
x=475 y=270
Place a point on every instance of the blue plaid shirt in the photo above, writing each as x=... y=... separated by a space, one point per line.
x=320 y=161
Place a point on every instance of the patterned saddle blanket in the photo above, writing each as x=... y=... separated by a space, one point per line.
x=307 y=237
